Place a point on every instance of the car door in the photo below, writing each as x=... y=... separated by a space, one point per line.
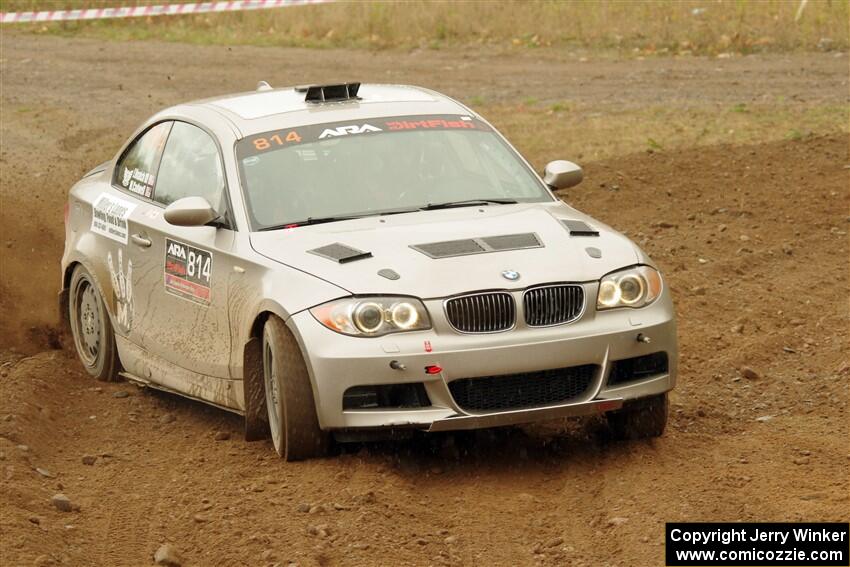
x=181 y=273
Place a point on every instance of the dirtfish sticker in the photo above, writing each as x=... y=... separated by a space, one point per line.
x=109 y=217
x=188 y=271
x=122 y=286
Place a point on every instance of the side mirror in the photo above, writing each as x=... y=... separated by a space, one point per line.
x=560 y=174
x=190 y=211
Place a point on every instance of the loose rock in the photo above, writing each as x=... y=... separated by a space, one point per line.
x=749 y=373
x=167 y=555
x=89 y=459
x=321 y=530
x=166 y=418
x=222 y=436
x=121 y=394
x=63 y=503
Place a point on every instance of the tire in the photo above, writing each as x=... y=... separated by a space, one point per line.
x=289 y=396
x=640 y=419
x=91 y=327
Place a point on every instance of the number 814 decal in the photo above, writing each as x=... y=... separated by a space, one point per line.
x=188 y=271
x=261 y=144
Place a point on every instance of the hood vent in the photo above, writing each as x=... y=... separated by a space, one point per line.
x=579 y=228
x=482 y=245
x=340 y=253
x=512 y=241
x=450 y=248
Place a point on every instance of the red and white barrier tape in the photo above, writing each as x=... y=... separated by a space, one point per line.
x=159 y=10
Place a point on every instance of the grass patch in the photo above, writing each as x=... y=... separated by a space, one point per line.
x=595 y=133
x=656 y=27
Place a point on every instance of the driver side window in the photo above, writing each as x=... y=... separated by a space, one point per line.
x=190 y=167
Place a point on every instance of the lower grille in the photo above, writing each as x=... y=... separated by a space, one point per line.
x=482 y=312
x=526 y=390
x=553 y=304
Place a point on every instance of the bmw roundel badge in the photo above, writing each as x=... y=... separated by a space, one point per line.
x=512 y=275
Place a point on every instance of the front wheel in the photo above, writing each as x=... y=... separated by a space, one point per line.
x=289 y=396
x=640 y=419
x=91 y=327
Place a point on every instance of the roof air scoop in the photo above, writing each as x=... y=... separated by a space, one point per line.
x=330 y=93
x=263 y=86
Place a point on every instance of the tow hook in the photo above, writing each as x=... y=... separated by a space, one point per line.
x=396 y=365
x=641 y=338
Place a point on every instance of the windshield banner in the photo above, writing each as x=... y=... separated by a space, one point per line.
x=277 y=139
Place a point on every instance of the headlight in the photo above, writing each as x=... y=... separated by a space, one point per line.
x=373 y=316
x=634 y=287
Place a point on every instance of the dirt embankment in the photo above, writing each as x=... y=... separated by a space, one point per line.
x=753 y=241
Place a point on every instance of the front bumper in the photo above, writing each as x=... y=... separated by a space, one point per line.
x=337 y=362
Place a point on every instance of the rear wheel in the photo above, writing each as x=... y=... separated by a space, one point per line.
x=640 y=419
x=94 y=337
x=289 y=396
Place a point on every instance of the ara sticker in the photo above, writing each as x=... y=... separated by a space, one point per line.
x=428 y=346
x=349 y=129
x=188 y=271
x=109 y=217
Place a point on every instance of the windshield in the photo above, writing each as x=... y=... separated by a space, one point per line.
x=386 y=165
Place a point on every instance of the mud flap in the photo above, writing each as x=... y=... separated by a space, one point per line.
x=65 y=337
x=256 y=418
x=64 y=322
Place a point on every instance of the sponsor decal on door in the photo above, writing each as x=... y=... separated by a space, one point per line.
x=109 y=217
x=188 y=271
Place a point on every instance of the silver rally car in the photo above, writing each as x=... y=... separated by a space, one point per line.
x=351 y=261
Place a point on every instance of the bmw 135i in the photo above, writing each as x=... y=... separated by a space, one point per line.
x=346 y=261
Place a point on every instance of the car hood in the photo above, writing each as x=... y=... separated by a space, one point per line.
x=563 y=257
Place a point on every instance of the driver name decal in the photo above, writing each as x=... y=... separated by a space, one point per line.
x=188 y=272
x=137 y=181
